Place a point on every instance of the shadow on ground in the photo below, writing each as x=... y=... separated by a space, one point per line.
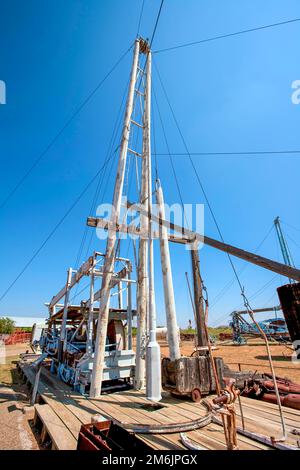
x=275 y=358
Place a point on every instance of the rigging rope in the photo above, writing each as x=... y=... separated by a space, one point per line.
x=289 y=225
x=52 y=232
x=252 y=296
x=258 y=152
x=197 y=175
x=229 y=436
x=60 y=132
x=246 y=302
x=264 y=336
x=102 y=176
x=230 y=283
x=215 y=38
x=140 y=19
x=156 y=22
x=170 y=157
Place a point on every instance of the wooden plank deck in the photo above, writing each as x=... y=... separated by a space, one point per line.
x=72 y=410
x=53 y=426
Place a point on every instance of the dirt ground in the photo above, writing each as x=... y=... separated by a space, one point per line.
x=252 y=356
x=15 y=430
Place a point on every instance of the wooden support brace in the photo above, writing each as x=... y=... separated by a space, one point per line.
x=266 y=263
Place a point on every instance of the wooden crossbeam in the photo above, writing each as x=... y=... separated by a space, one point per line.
x=107 y=225
x=253 y=258
x=82 y=271
x=188 y=236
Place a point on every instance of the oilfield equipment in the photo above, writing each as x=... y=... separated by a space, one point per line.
x=274 y=328
x=91 y=345
x=286 y=253
x=70 y=335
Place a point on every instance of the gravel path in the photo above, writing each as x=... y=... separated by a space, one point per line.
x=15 y=431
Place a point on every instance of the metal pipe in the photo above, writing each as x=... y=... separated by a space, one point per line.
x=173 y=341
x=108 y=267
x=284 y=431
x=283 y=245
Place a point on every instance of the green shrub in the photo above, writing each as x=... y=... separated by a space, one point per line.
x=7 y=326
x=134 y=331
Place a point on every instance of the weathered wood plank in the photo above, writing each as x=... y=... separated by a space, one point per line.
x=125 y=406
x=59 y=434
x=269 y=406
x=76 y=412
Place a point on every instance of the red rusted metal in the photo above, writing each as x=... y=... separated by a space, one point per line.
x=225 y=336
x=282 y=387
x=89 y=440
x=292 y=400
x=264 y=390
x=17 y=337
x=108 y=436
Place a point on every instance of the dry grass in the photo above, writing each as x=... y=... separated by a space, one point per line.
x=8 y=371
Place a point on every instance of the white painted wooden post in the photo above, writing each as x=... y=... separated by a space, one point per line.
x=36 y=384
x=142 y=300
x=153 y=359
x=143 y=289
x=129 y=312
x=108 y=267
x=173 y=340
x=120 y=295
x=63 y=331
x=89 y=343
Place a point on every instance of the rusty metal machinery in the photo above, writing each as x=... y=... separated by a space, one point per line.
x=275 y=328
x=108 y=436
x=263 y=389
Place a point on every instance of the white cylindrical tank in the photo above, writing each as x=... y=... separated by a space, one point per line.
x=162 y=333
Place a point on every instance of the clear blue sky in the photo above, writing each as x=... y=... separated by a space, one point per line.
x=229 y=95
